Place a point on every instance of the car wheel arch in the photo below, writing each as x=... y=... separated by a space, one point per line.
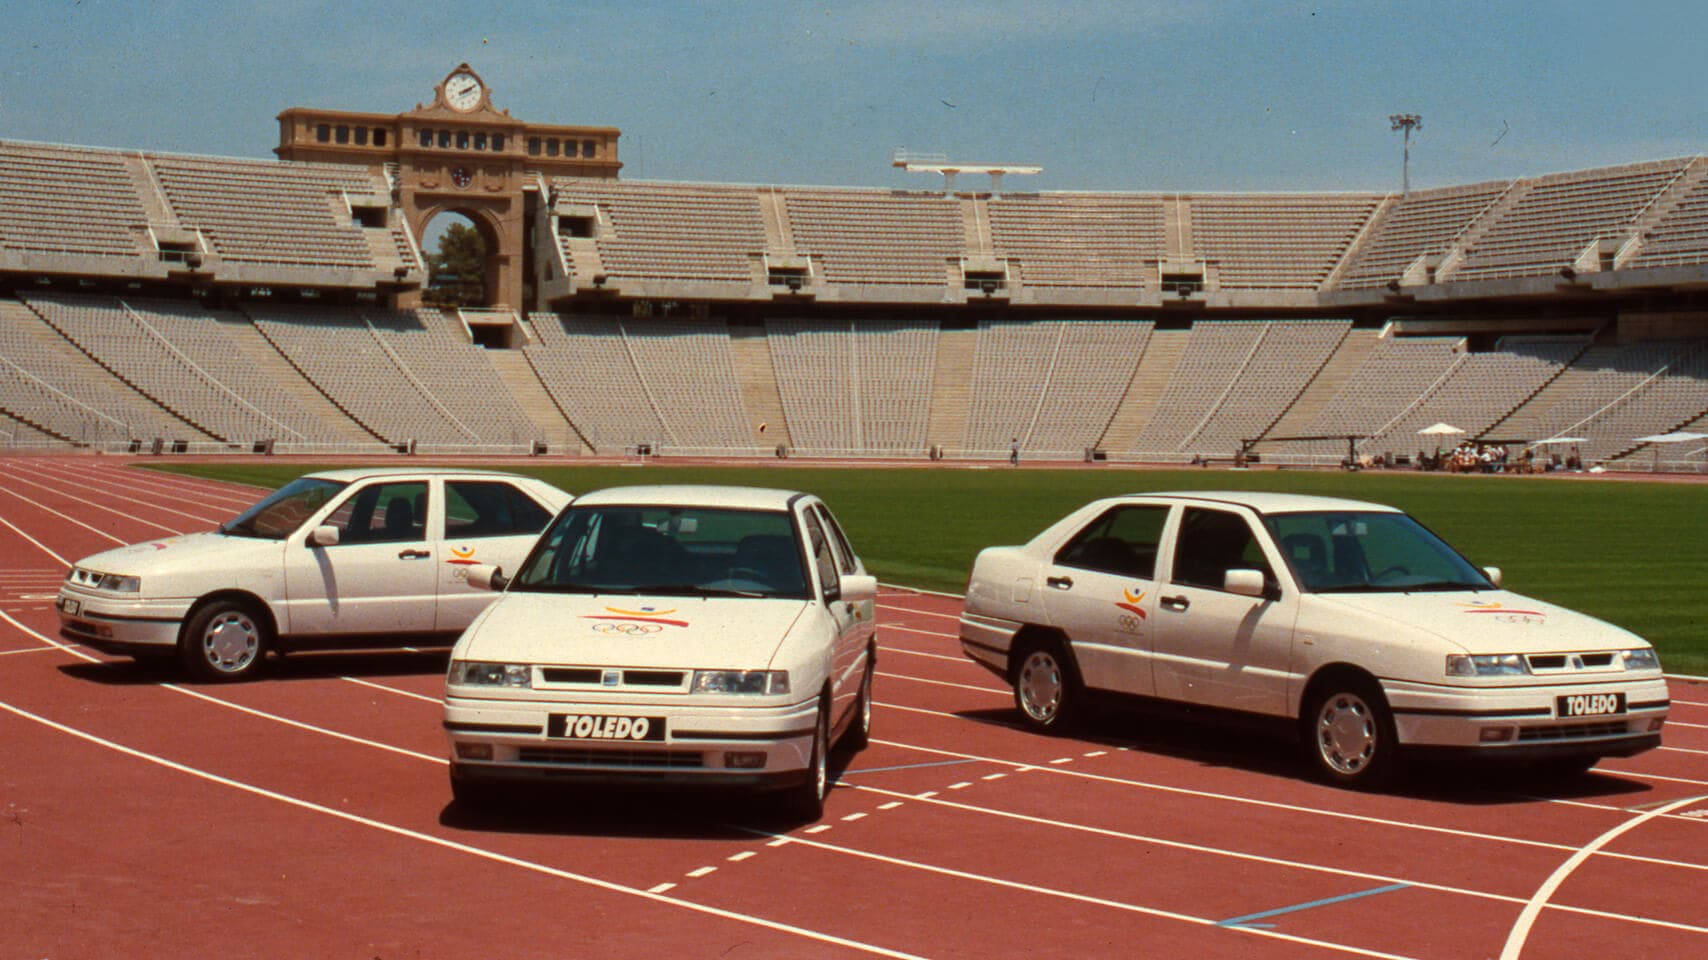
x=251 y=600
x=1033 y=635
x=1331 y=673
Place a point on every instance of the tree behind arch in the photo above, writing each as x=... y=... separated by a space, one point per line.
x=457 y=272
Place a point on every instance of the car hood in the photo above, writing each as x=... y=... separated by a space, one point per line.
x=627 y=631
x=1485 y=621
x=162 y=562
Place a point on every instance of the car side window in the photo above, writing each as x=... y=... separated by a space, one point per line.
x=382 y=513
x=1123 y=542
x=1212 y=542
x=490 y=509
x=822 y=557
x=838 y=542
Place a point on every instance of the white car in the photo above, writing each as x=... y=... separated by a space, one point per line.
x=669 y=635
x=1349 y=622
x=354 y=557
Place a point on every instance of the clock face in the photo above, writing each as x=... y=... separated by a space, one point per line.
x=461 y=176
x=462 y=92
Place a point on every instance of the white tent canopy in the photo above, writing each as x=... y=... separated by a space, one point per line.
x=1679 y=436
x=1440 y=430
x=1562 y=440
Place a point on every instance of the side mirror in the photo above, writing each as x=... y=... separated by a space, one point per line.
x=1493 y=573
x=1246 y=583
x=857 y=588
x=323 y=537
x=485 y=576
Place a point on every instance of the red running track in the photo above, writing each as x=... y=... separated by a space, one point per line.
x=308 y=815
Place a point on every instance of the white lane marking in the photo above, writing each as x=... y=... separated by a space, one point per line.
x=1680 y=723
x=1003 y=691
x=181 y=489
x=661 y=888
x=921 y=653
x=818 y=829
x=1656 y=776
x=743 y=855
x=702 y=871
x=889 y=806
x=1288 y=807
x=39 y=545
x=780 y=842
x=1083 y=898
x=1276 y=861
x=454 y=845
x=127 y=516
x=964 y=784
x=993 y=776
x=1703 y=753
x=155 y=504
x=928 y=633
x=924 y=613
x=58 y=515
x=13 y=653
x=1060 y=760
x=1520 y=932
x=1098 y=753
x=396 y=690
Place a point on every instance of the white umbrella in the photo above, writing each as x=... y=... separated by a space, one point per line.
x=1561 y=440
x=1440 y=430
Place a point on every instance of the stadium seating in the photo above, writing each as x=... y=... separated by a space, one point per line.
x=1419 y=224
x=854 y=389
x=66 y=200
x=681 y=232
x=1078 y=240
x=1278 y=241
x=877 y=237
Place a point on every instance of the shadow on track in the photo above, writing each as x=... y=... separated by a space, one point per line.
x=306 y=665
x=672 y=813
x=1264 y=749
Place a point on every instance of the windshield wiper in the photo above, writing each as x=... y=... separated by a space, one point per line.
x=1439 y=586
x=691 y=589
x=1352 y=588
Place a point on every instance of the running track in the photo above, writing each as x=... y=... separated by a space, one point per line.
x=308 y=815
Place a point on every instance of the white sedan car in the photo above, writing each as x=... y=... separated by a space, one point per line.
x=1348 y=622
x=669 y=634
x=355 y=557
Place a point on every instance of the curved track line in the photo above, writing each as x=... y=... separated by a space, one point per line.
x=42 y=546
x=1520 y=933
x=1273 y=804
x=67 y=517
x=448 y=844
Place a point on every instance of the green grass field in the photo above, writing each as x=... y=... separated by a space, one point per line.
x=1632 y=553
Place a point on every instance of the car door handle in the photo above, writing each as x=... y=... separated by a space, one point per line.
x=1176 y=603
x=1060 y=583
x=414 y=554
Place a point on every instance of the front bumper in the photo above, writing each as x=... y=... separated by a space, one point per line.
x=1522 y=722
x=751 y=747
x=120 y=623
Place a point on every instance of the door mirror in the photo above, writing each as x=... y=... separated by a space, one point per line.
x=485 y=576
x=1246 y=583
x=325 y=536
x=1493 y=573
x=856 y=588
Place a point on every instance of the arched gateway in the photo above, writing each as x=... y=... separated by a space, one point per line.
x=462 y=154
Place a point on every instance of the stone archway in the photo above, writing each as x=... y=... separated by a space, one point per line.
x=489 y=237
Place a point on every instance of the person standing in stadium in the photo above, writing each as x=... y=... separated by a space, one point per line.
x=1014 y=452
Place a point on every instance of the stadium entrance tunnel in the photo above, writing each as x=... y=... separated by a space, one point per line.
x=463 y=251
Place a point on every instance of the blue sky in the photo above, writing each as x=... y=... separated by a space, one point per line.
x=1141 y=95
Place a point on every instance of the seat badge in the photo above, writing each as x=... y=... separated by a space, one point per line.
x=612 y=678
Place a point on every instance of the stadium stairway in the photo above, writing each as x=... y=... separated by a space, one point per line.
x=1348 y=357
x=518 y=376
x=951 y=390
x=260 y=352
x=756 y=377
x=1150 y=379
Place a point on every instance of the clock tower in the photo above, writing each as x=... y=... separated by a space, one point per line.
x=459 y=154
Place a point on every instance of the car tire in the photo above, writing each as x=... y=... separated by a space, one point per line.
x=1348 y=733
x=1047 y=689
x=224 y=641
x=805 y=801
x=859 y=732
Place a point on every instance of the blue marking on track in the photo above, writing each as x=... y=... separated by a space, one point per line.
x=1245 y=921
x=906 y=766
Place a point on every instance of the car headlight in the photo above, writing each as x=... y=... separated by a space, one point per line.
x=118 y=584
x=491 y=674
x=1486 y=665
x=1643 y=658
x=741 y=681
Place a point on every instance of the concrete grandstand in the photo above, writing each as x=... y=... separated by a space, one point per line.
x=161 y=301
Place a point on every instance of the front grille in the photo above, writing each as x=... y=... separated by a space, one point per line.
x=627 y=757
x=570 y=674
x=652 y=678
x=1569 y=662
x=1576 y=731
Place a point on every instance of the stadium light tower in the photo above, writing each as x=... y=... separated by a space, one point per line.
x=1406 y=122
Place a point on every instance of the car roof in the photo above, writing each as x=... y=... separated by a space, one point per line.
x=351 y=474
x=1264 y=501
x=692 y=495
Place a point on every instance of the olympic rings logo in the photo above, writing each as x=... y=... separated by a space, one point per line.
x=626 y=629
x=1129 y=624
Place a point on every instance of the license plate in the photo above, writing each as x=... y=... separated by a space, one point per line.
x=1589 y=705
x=574 y=726
x=70 y=606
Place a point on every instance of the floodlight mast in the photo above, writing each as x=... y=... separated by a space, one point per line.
x=1406 y=122
x=939 y=163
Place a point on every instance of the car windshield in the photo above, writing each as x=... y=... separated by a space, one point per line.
x=1369 y=552
x=283 y=510
x=669 y=551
